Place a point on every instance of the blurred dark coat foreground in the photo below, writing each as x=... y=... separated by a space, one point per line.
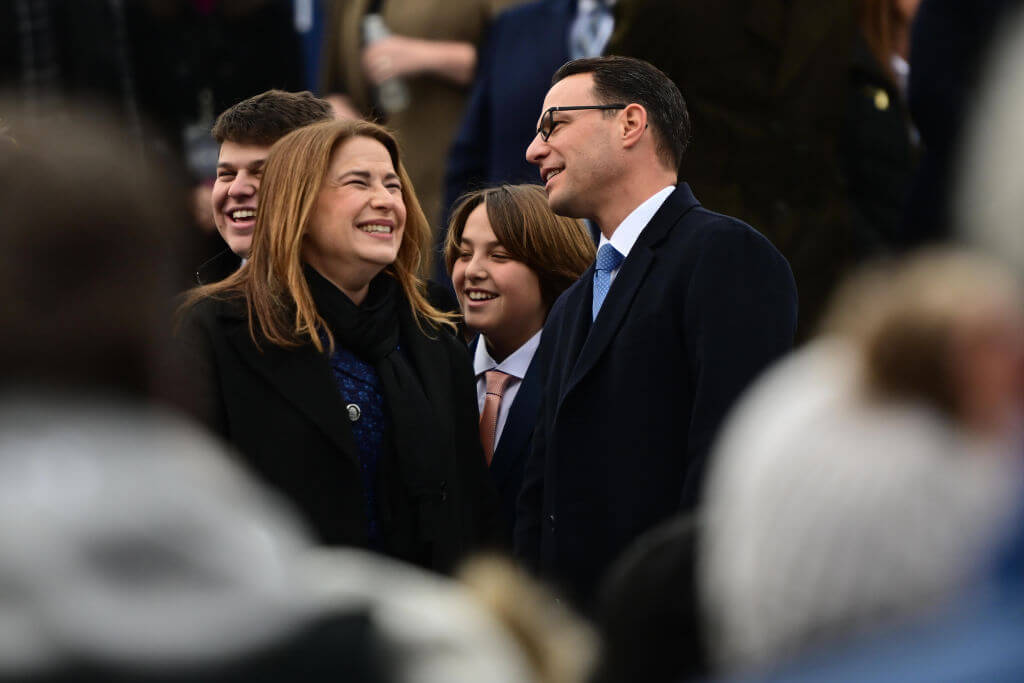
x=766 y=84
x=700 y=306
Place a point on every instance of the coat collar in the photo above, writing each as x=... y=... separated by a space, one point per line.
x=218 y=267
x=302 y=376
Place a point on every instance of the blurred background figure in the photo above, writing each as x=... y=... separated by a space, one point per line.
x=861 y=480
x=407 y=64
x=978 y=637
x=524 y=48
x=798 y=126
x=53 y=53
x=195 y=58
x=988 y=202
x=166 y=67
x=878 y=143
x=950 y=48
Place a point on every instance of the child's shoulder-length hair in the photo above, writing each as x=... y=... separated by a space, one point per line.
x=556 y=248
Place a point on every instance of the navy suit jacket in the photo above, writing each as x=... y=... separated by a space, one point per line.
x=632 y=402
x=513 y=449
x=524 y=48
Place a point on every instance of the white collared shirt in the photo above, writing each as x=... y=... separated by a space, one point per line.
x=628 y=232
x=517 y=363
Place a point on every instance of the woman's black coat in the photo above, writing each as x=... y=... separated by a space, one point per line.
x=282 y=411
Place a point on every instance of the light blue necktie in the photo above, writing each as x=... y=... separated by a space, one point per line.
x=608 y=259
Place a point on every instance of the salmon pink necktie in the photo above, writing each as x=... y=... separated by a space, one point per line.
x=496 y=383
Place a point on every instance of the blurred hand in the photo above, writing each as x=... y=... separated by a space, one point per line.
x=394 y=56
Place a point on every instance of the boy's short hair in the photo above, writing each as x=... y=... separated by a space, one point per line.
x=266 y=118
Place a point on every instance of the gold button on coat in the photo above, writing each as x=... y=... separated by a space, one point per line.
x=881 y=100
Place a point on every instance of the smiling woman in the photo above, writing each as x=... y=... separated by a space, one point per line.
x=323 y=363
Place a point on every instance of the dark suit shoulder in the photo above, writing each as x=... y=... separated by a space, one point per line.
x=217 y=268
x=725 y=224
x=719 y=229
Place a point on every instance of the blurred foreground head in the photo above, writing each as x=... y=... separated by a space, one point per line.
x=988 y=202
x=944 y=329
x=89 y=242
x=132 y=549
x=861 y=480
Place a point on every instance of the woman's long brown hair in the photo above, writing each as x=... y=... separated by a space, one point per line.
x=277 y=298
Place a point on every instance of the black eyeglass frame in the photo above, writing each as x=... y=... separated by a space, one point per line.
x=549 y=115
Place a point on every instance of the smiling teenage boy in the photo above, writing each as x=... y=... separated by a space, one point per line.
x=245 y=132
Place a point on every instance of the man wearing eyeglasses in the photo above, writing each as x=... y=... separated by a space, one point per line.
x=653 y=344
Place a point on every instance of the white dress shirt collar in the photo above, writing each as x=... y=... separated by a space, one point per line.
x=517 y=363
x=628 y=232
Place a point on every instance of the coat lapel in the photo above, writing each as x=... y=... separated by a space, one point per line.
x=303 y=377
x=434 y=372
x=627 y=283
x=576 y=329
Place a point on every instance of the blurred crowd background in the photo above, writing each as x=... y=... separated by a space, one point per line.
x=862 y=518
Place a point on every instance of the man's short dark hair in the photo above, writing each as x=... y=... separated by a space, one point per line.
x=266 y=118
x=628 y=80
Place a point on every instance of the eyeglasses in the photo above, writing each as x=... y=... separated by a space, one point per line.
x=548 y=123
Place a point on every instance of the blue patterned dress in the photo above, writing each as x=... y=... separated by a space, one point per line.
x=359 y=386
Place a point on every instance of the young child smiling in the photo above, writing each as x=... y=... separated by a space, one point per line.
x=509 y=258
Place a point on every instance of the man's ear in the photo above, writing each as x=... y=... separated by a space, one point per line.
x=633 y=122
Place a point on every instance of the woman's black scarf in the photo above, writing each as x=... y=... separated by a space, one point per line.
x=373 y=331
